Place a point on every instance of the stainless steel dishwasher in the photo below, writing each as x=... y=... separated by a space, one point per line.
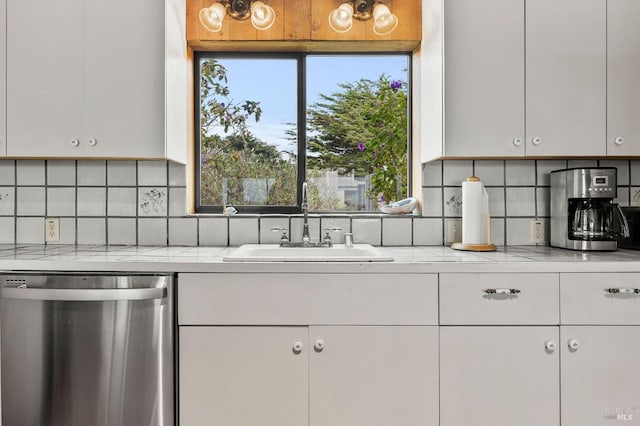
x=85 y=349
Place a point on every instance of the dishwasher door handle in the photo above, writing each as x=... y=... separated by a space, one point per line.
x=82 y=295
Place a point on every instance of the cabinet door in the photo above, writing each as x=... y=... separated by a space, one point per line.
x=373 y=376
x=484 y=83
x=566 y=77
x=243 y=376
x=600 y=376
x=124 y=71
x=623 y=77
x=45 y=74
x=499 y=376
x=3 y=79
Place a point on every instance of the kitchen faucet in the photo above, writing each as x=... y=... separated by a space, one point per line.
x=306 y=237
x=305 y=210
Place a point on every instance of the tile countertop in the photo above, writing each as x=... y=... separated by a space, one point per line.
x=428 y=259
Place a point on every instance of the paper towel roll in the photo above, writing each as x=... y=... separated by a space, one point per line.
x=475 y=211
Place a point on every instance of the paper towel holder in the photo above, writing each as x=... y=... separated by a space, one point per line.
x=478 y=247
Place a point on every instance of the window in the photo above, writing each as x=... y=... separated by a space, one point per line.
x=267 y=123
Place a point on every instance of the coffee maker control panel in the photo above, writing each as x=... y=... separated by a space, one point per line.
x=600 y=184
x=591 y=183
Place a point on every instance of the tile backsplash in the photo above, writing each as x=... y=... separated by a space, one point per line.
x=143 y=202
x=518 y=192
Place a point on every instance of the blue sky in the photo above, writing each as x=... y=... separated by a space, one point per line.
x=272 y=82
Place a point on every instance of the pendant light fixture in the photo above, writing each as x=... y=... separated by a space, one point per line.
x=384 y=22
x=262 y=16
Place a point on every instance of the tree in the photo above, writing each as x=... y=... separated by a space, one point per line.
x=236 y=167
x=363 y=129
x=357 y=134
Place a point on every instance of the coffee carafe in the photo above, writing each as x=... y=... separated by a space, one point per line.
x=583 y=214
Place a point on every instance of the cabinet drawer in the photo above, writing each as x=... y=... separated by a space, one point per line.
x=315 y=299
x=492 y=299
x=600 y=299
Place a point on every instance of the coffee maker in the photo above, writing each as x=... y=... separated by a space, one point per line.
x=583 y=214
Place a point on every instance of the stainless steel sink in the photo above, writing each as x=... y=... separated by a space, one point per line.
x=336 y=253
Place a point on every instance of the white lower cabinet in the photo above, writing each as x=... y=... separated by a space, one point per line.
x=530 y=376
x=537 y=349
x=600 y=375
x=231 y=376
x=499 y=376
x=499 y=360
x=600 y=343
x=373 y=376
x=308 y=349
x=321 y=376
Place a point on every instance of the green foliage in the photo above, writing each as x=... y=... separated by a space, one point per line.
x=359 y=131
x=363 y=129
x=386 y=152
x=236 y=167
x=336 y=125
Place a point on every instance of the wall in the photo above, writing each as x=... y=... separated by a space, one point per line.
x=143 y=202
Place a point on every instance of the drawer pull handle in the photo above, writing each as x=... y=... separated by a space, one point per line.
x=623 y=290
x=297 y=347
x=319 y=346
x=501 y=291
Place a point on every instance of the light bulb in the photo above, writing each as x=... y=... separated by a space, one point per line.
x=341 y=19
x=262 y=16
x=211 y=17
x=384 y=22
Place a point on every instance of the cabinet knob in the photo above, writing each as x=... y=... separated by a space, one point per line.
x=297 y=347
x=75 y=142
x=550 y=345
x=93 y=142
x=574 y=344
x=619 y=140
x=517 y=141
x=319 y=345
x=536 y=140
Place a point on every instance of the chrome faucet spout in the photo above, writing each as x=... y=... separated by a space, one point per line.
x=305 y=210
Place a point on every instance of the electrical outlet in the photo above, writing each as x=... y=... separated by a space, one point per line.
x=537 y=232
x=454 y=231
x=52 y=229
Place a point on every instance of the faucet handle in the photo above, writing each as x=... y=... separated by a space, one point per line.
x=284 y=239
x=327 y=235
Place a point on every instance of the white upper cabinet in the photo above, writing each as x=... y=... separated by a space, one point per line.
x=124 y=69
x=45 y=73
x=484 y=85
x=93 y=83
x=503 y=78
x=566 y=77
x=3 y=79
x=623 y=77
